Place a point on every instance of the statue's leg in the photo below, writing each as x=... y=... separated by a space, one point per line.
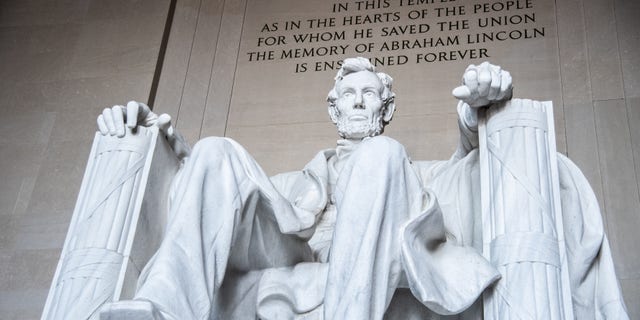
x=376 y=193
x=223 y=215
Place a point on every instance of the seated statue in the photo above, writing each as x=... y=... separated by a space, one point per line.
x=358 y=232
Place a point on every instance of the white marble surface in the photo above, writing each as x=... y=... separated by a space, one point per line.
x=117 y=225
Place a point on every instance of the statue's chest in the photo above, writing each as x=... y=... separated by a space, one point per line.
x=321 y=241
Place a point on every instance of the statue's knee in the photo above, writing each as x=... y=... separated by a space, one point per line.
x=212 y=147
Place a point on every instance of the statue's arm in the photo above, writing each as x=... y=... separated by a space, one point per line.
x=482 y=86
x=113 y=121
x=307 y=193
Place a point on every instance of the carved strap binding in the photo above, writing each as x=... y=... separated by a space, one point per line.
x=522 y=219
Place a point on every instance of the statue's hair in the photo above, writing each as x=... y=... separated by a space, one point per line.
x=353 y=65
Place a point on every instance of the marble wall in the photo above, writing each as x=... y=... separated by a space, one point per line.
x=61 y=62
x=65 y=60
x=279 y=114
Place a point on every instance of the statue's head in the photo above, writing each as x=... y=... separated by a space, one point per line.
x=361 y=101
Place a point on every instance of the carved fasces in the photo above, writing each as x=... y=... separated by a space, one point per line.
x=106 y=247
x=523 y=235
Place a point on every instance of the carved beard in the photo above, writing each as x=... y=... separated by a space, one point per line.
x=349 y=130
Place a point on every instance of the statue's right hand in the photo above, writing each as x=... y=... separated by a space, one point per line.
x=112 y=120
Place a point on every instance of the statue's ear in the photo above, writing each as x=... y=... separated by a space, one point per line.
x=333 y=113
x=389 y=109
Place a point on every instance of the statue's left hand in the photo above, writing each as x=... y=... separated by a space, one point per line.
x=484 y=85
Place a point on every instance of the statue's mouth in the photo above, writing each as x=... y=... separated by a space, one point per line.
x=357 y=117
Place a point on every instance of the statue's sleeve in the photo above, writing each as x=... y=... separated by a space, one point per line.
x=306 y=190
x=468 y=125
x=445 y=277
x=594 y=287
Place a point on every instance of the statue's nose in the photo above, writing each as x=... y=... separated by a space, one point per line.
x=358 y=102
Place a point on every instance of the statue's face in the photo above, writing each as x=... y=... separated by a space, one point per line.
x=359 y=106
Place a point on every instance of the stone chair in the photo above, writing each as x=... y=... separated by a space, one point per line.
x=121 y=212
